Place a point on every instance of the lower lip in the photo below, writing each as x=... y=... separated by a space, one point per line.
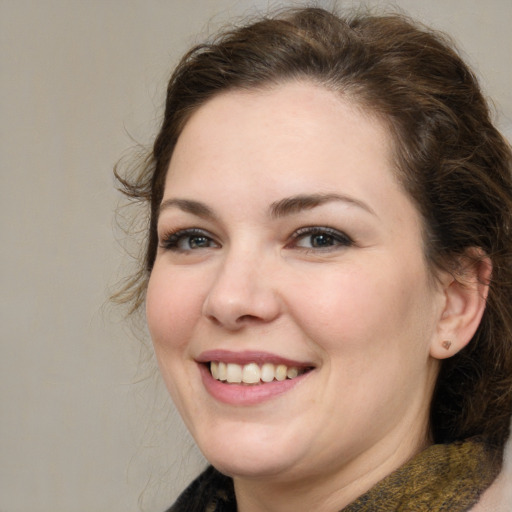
x=240 y=394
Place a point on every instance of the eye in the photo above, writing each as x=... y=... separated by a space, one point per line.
x=185 y=240
x=320 y=238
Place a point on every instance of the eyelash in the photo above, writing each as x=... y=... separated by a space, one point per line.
x=171 y=241
x=338 y=238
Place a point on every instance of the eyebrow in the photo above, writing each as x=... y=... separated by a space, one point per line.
x=282 y=208
x=189 y=206
x=296 y=204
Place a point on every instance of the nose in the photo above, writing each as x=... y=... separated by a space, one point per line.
x=242 y=293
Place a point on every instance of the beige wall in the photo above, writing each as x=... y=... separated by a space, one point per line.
x=77 y=432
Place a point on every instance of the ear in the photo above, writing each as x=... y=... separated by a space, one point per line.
x=465 y=293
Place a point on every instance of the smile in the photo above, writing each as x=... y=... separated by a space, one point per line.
x=253 y=373
x=244 y=378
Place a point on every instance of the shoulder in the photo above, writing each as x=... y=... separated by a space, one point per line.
x=498 y=497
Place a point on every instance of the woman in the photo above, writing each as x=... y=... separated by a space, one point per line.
x=327 y=274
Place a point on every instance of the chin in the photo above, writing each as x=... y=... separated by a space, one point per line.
x=251 y=451
x=249 y=467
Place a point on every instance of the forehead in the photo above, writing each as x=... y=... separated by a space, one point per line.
x=293 y=125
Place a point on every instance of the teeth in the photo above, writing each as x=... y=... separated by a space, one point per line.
x=291 y=373
x=234 y=373
x=281 y=370
x=252 y=373
x=214 y=369
x=267 y=372
x=223 y=371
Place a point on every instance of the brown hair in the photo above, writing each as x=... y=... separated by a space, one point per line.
x=450 y=158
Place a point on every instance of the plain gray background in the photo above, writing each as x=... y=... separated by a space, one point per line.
x=81 y=427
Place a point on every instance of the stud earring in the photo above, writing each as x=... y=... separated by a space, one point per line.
x=446 y=344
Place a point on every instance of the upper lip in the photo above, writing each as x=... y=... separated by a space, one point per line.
x=248 y=356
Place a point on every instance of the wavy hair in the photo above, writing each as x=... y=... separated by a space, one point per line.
x=449 y=156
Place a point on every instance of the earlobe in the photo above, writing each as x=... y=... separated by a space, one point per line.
x=465 y=293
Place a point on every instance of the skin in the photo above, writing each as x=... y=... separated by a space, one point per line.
x=365 y=312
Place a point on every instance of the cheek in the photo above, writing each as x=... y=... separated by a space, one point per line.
x=173 y=305
x=173 y=312
x=373 y=330
x=366 y=309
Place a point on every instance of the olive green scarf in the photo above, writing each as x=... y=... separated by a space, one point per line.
x=443 y=478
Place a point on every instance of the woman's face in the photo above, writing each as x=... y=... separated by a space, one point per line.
x=286 y=246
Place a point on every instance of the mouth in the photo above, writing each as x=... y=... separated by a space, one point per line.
x=253 y=374
x=250 y=377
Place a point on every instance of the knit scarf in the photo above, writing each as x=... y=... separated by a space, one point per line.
x=443 y=478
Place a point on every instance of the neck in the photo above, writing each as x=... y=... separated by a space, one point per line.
x=327 y=491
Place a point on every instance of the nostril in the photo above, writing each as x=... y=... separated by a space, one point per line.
x=213 y=319
x=233 y=322
x=248 y=318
